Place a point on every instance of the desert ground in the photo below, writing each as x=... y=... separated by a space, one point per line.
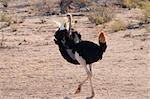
x=31 y=66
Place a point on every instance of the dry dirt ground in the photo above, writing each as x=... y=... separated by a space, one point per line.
x=31 y=66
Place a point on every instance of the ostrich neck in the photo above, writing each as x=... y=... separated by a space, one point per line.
x=102 y=46
x=70 y=24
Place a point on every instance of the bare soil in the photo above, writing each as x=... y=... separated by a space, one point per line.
x=31 y=66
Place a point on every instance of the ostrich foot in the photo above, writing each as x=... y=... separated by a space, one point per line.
x=93 y=94
x=78 y=90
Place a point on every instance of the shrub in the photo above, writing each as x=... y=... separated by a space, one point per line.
x=147 y=28
x=4 y=17
x=97 y=19
x=134 y=3
x=101 y=15
x=128 y=3
x=71 y=5
x=5 y=20
x=143 y=4
x=117 y=26
x=13 y=28
x=4 y=2
x=45 y=7
x=146 y=14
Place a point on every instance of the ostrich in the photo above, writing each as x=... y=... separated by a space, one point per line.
x=65 y=38
x=77 y=51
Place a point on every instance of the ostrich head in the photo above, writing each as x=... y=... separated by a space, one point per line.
x=69 y=16
x=102 y=41
x=65 y=34
x=102 y=37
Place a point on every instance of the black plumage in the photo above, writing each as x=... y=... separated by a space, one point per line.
x=77 y=51
x=90 y=51
x=65 y=43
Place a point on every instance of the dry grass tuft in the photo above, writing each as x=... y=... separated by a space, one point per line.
x=5 y=20
x=146 y=14
x=44 y=6
x=117 y=25
x=13 y=28
x=72 y=5
x=144 y=4
x=4 y=17
x=4 y=2
x=147 y=28
x=134 y=3
x=101 y=15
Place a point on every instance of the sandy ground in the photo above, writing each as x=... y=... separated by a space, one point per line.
x=31 y=66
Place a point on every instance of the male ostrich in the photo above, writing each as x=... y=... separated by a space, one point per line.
x=65 y=38
x=77 y=51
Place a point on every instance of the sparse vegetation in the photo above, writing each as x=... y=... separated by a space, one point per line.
x=4 y=17
x=146 y=14
x=72 y=5
x=5 y=20
x=4 y=2
x=134 y=3
x=144 y=4
x=127 y=3
x=46 y=7
x=13 y=28
x=32 y=67
x=101 y=15
x=147 y=28
x=117 y=25
x=97 y=19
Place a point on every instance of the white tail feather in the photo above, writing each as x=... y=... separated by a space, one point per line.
x=63 y=24
x=58 y=23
